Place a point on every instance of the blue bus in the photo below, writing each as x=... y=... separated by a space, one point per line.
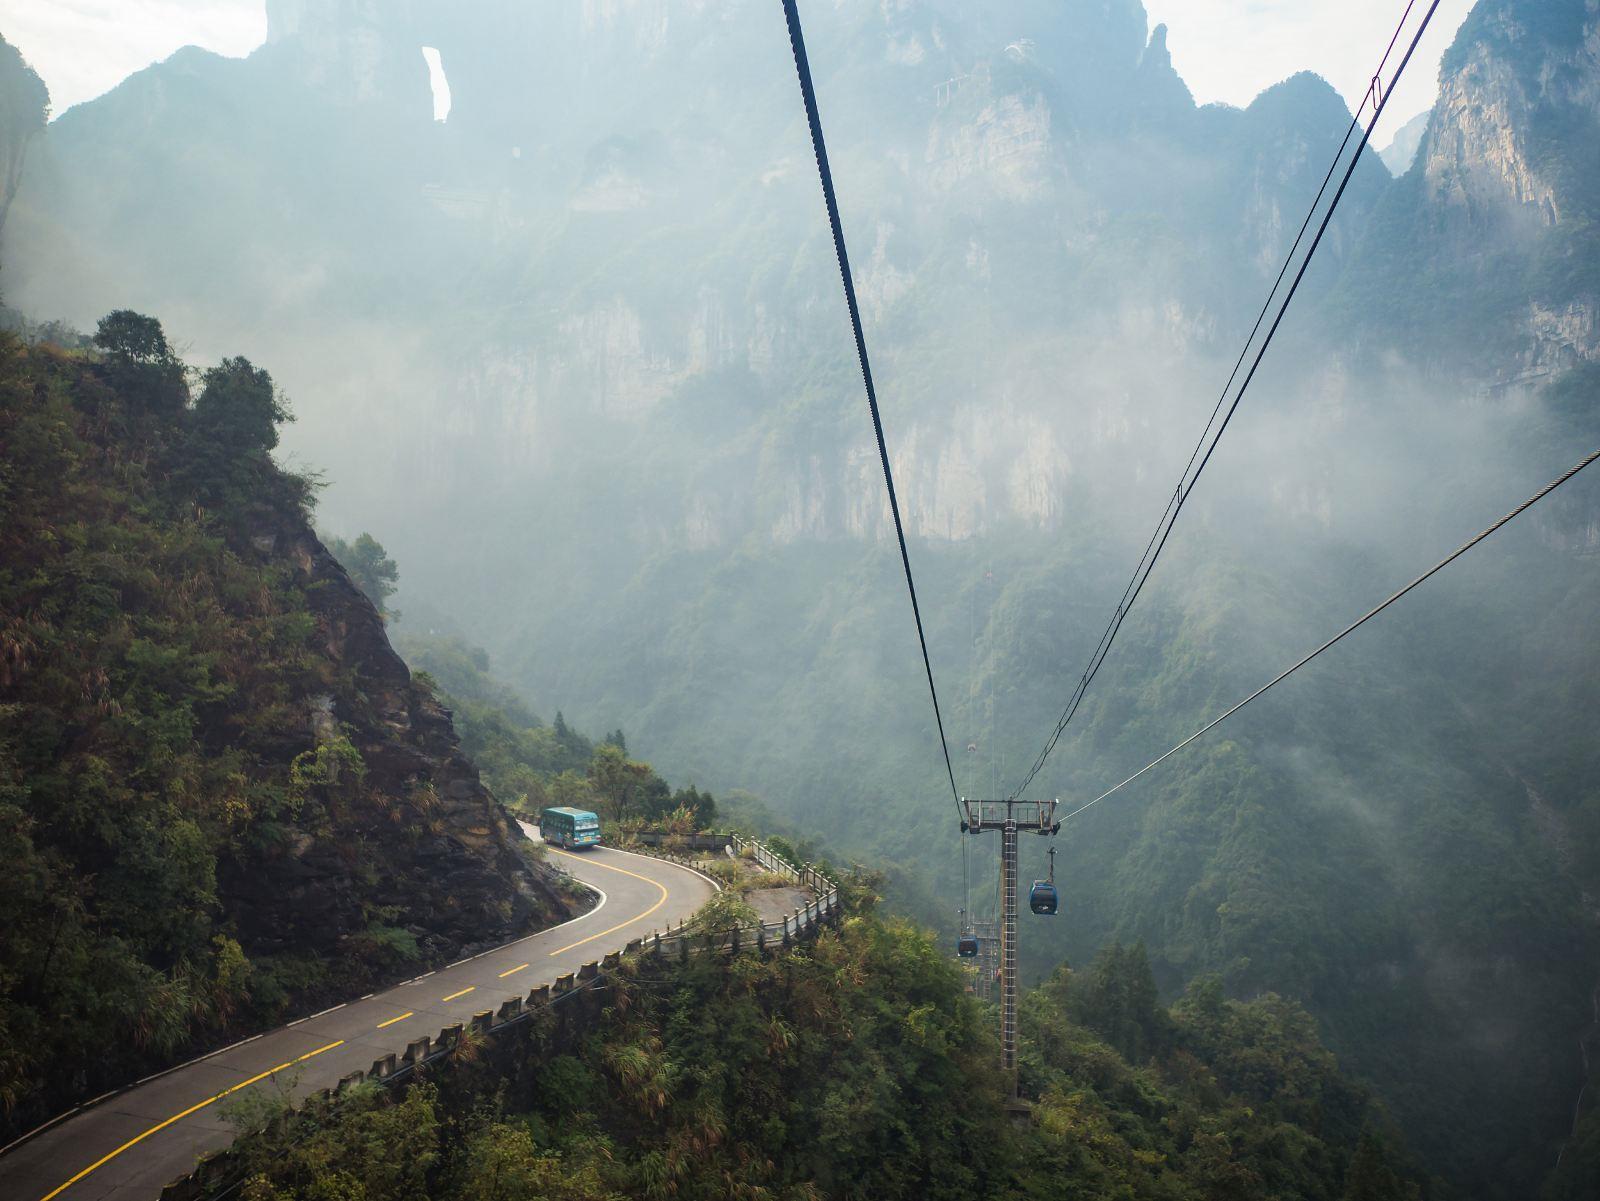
x=564 y=827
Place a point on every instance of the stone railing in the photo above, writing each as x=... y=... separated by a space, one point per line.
x=685 y=937
x=684 y=842
x=221 y=1174
x=805 y=875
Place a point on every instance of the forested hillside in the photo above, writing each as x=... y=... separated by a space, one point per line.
x=858 y=1068
x=222 y=797
x=529 y=764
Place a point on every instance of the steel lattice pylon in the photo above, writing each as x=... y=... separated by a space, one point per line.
x=1010 y=818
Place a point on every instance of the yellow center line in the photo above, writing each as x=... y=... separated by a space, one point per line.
x=513 y=971
x=624 y=871
x=178 y=1117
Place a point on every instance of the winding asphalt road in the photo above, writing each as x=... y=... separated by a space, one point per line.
x=130 y=1144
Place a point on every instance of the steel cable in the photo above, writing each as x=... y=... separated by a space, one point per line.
x=1349 y=629
x=1187 y=482
x=808 y=93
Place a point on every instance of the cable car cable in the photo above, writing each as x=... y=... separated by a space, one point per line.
x=1181 y=495
x=808 y=93
x=1349 y=629
x=1186 y=484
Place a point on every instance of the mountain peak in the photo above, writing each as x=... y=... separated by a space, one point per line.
x=1518 y=72
x=1161 y=84
x=1402 y=149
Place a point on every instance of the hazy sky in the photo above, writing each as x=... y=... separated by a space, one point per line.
x=1226 y=49
x=1230 y=50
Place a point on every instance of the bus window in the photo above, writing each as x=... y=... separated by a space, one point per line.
x=571 y=828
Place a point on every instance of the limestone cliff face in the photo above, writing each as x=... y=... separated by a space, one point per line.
x=354 y=51
x=1510 y=165
x=1500 y=90
x=24 y=101
x=1477 y=166
x=421 y=845
x=621 y=213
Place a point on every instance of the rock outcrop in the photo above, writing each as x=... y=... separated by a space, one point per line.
x=421 y=842
x=24 y=104
x=1520 y=81
x=1499 y=214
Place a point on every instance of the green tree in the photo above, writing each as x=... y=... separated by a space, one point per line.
x=128 y=335
x=1117 y=998
x=371 y=570
x=140 y=364
x=239 y=409
x=627 y=788
x=700 y=806
x=1370 y=1176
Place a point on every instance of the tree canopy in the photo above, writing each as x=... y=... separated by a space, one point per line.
x=370 y=568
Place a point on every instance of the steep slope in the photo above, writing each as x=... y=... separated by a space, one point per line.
x=1402 y=149
x=222 y=798
x=768 y=1079
x=1500 y=218
x=24 y=105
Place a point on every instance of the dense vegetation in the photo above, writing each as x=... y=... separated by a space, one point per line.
x=145 y=669
x=529 y=764
x=858 y=1067
x=200 y=821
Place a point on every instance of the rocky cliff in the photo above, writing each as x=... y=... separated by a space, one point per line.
x=1499 y=218
x=24 y=105
x=421 y=841
x=223 y=798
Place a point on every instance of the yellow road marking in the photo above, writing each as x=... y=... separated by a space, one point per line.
x=160 y=1126
x=513 y=971
x=401 y=1018
x=624 y=871
x=178 y=1117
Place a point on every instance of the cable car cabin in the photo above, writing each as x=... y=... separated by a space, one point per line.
x=967 y=946
x=1043 y=898
x=569 y=827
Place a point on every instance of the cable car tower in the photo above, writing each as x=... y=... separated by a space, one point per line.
x=1010 y=818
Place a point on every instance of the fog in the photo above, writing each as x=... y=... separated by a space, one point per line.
x=576 y=354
